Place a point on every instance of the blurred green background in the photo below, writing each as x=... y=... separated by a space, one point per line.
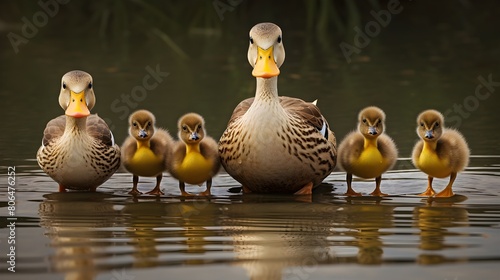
x=429 y=55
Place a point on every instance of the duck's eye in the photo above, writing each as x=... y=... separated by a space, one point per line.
x=364 y=120
x=436 y=125
x=198 y=128
x=184 y=127
x=251 y=40
x=90 y=85
x=134 y=124
x=149 y=124
x=421 y=124
x=64 y=85
x=378 y=123
x=279 y=39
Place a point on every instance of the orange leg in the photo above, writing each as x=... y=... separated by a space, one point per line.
x=182 y=187
x=246 y=190
x=377 y=191
x=156 y=190
x=207 y=191
x=429 y=191
x=350 y=191
x=62 y=188
x=305 y=190
x=135 y=191
x=448 y=192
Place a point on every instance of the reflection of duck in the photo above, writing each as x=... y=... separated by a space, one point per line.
x=187 y=224
x=144 y=152
x=195 y=157
x=78 y=150
x=271 y=246
x=367 y=152
x=366 y=220
x=70 y=222
x=275 y=144
x=440 y=153
x=434 y=222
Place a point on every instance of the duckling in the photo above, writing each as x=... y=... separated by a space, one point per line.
x=145 y=151
x=78 y=149
x=368 y=152
x=272 y=143
x=440 y=153
x=195 y=157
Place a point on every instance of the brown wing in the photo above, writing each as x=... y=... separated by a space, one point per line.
x=241 y=109
x=306 y=111
x=97 y=128
x=54 y=129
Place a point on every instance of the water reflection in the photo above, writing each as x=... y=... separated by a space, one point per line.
x=265 y=243
x=270 y=237
x=71 y=221
x=435 y=221
x=366 y=218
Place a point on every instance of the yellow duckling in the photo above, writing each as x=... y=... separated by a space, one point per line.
x=368 y=152
x=195 y=157
x=78 y=149
x=440 y=153
x=145 y=151
x=272 y=143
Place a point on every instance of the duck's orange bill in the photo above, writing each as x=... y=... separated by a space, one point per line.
x=77 y=105
x=265 y=66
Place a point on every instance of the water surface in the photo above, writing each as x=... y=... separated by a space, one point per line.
x=429 y=56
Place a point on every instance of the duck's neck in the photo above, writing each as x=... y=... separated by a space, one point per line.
x=143 y=144
x=430 y=145
x=267 y=89
x=78 y=125
x=193 y=148
x=370 y=143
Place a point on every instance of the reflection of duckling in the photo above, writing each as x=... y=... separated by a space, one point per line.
x=440 y=153
x=78 y=150
x=368 y=152
x=144 y=152
x=195 y=157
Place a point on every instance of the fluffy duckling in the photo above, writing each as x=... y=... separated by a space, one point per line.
x=368 y=152
x=195 y=157
x=78 y=149
x=144 y=152
x=440 y=153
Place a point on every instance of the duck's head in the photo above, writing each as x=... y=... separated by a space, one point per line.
x=142 y=125
x=266 y=52
x=371 y=122
x=430 y=125
x=191 y=128
x=77 y=94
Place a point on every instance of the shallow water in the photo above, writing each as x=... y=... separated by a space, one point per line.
x=109 y=234
x=429 y=56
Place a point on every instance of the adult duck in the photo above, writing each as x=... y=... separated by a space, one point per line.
x=78 y=149
x=275 y=144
